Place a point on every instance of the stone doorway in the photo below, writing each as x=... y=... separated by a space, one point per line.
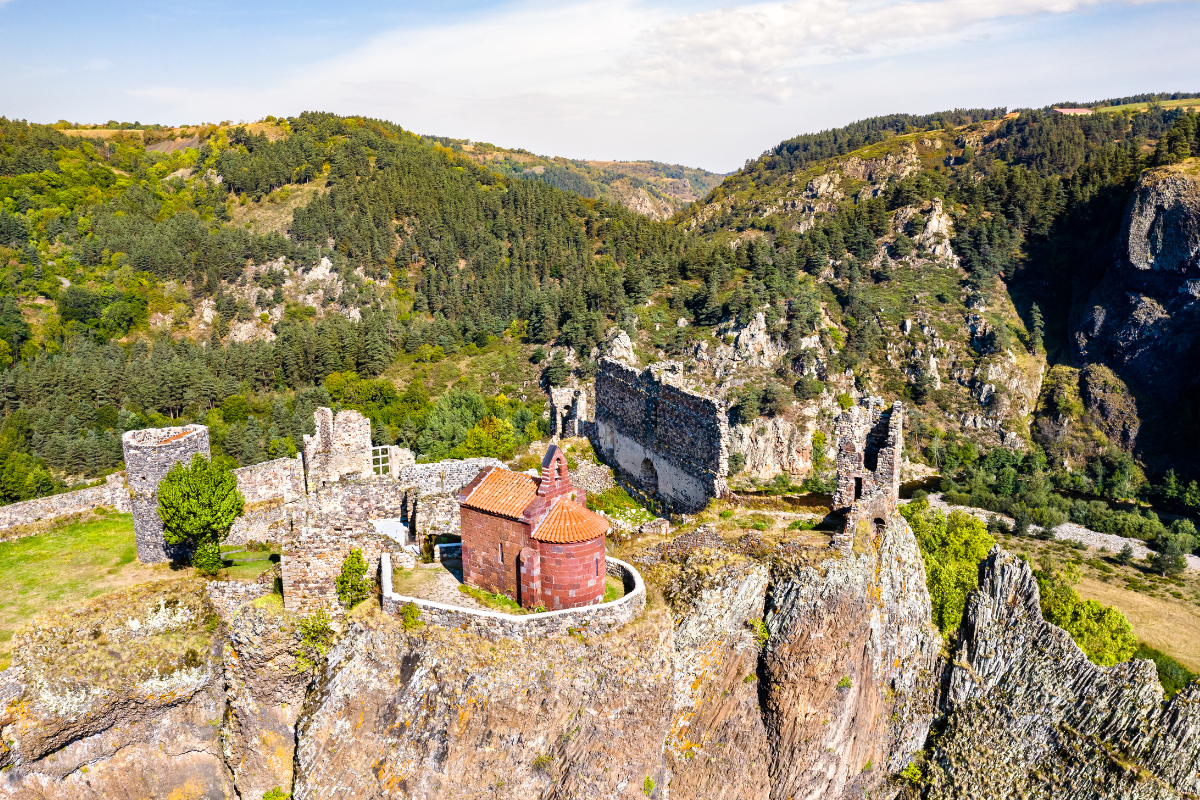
x=649 y=476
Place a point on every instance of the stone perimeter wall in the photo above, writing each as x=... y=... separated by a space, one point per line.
x=666 y=440
x=588 y=620
x=113 y=494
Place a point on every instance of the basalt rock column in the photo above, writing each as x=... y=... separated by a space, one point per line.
x=149 y=456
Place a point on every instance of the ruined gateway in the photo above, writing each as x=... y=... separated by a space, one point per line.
x=812 y=675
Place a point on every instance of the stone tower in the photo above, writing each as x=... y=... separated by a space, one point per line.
x=870 y=443
x=149 y=456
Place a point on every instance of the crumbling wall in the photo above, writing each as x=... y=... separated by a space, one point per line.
x=664 y=439
x=444 y=476
x=341 y=447
x=870 y=444
x=568 y=411
x=113 y=494
x=269 y=489
x=312 y=559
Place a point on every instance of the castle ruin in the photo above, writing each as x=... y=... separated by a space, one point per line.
x=149 y=456
x=870 y=443
x=667 y=443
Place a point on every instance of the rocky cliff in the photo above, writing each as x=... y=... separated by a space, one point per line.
x=1142 y=320
x=1030 y=716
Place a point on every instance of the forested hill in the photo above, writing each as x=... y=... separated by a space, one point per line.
x=649 y=187
x=293 y=249
x=950 y=250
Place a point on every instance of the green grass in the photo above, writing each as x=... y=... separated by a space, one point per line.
x=66 y=565
x=614 y=588
x=617 y=504
x=496 y=602
x=1191 y=101
x=246 y=565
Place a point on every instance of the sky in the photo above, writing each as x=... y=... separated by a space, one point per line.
x=702 y=84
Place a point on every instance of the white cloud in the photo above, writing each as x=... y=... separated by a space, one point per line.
x=623 y=79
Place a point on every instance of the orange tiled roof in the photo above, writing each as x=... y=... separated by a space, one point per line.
x=567 y=521
x=503 y=492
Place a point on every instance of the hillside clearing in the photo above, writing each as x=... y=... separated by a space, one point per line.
x=1167 y=626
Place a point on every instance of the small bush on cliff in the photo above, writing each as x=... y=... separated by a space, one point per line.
x=198 y=504
x=316 y=637
x=410 y=616
x=276 y=794
x=353 y=586
x=952 y=548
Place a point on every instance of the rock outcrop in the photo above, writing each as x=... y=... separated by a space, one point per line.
x=122 y=697
x=1143 y=320
x=1030 y=716
x=848 y=669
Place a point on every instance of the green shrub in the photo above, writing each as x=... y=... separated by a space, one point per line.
x=207 y=558
x=726 y=514
x=353 y=586
x=648 y=786
x=761 y=632
x=844 y=683
x=912 y=774
x=952 y=548
x=845 y=401
x=808 y=389
x=542 y=763
x=277 y=794
x=1102 y=632
x=737 y=462
x=410 y=616
x=316 y=637
x=198 y=503
x=1171 y=674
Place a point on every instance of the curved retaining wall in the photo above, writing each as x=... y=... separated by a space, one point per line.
x=494 y=624
x=149 y=456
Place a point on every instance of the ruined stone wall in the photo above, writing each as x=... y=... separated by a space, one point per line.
x=269 y=488
x=341 y=447
x=568 y=411
x=113 y=494
x=444 y=476
x=226 y=596
x=366 y=498
x=662 y=438
x=587 y=620
x=312 y=560
x=869 y=452
x=149 y=456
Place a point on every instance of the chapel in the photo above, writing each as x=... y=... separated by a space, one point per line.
x=533 y=538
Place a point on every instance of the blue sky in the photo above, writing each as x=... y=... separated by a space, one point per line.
x=703 y=84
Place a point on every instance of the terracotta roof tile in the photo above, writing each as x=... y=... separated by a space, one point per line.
x=503 y=492
x=567 y=521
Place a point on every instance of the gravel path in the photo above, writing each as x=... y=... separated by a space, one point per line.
x=441 y=586
x=1070 y=532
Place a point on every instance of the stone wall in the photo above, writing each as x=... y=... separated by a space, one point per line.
x=341 y=447
x=444 y=476
x=312 y=560
x=270 y=490
x=568 y=411
x=149 y=456
x=662 y=438
x=588 y=620
x=113 y=494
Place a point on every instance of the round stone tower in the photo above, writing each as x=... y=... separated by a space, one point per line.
x=149 y=456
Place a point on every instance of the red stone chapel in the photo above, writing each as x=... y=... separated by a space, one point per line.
x=533 y=539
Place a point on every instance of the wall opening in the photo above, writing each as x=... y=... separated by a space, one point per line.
x=502 y=552
x=878 y=526
x=857 y=488
x=649 y=476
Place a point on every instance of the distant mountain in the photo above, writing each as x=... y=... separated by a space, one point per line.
x=652 y=188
